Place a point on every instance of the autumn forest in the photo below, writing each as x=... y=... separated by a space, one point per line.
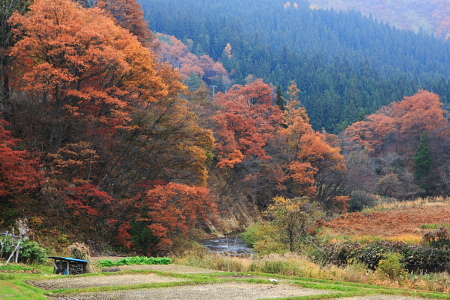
x=138 y=126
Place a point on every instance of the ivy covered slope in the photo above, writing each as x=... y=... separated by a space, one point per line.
x=345 y=64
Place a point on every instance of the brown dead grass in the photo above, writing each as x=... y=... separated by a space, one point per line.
x=398 y=222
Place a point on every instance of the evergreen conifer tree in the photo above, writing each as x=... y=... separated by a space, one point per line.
x=280 y=98
x=423 y=164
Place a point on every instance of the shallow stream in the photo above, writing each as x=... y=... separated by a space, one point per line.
x=229 y=244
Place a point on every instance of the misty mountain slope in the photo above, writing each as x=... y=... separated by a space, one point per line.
x=430 y=16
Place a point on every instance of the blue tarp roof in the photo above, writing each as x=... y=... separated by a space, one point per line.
x=68 y=259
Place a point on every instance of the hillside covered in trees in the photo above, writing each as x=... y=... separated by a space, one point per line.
x=345 y=64
x=121 y=136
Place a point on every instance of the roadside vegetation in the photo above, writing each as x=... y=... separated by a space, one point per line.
x=395 y=244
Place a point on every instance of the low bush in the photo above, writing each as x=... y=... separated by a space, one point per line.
x=360 y=200
x=372 y=254
x=392 y=266
x=30 y=252
x=137 y=260
x=33 y=252
x=250 y=236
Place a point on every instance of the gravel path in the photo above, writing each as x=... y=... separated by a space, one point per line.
x=235 y=291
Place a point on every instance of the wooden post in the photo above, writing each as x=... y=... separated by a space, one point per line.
x=15 y=250
x=1 y=250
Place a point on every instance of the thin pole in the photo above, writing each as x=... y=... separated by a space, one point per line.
x=15 y=249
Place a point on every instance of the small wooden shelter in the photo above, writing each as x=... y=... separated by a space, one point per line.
x=69 y=266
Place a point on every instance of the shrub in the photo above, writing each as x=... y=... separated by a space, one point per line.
x=372 y=254
x=268 y=245
x=416 y=258
x=251 y=236
x=360 y=200
x=32 y=252
x=107 y=263
x=336 y=253
x=437 y=238
x=392 y=266
x=426 y=259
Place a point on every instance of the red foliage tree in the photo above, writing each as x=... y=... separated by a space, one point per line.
x=129 y=15
x=20 y=178
x=186 y=63
x=101 y=112
x=171 y=211
x=85 y=71
x=399 y=127
x=18 y=171
x=247 y=119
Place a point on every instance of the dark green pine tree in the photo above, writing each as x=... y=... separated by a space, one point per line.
x=194 y=82
x=7 y=8
x=424 y=164
x=280 y=98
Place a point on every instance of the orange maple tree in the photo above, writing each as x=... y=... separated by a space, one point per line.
x=247 y=118
x=398 y=127
x=83 y=67
x=312 y=162
x=109 y=118
x=87 y=74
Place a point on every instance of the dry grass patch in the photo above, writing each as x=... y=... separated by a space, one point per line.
x=224 y=291
x=399 y=221
x=100 y=281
